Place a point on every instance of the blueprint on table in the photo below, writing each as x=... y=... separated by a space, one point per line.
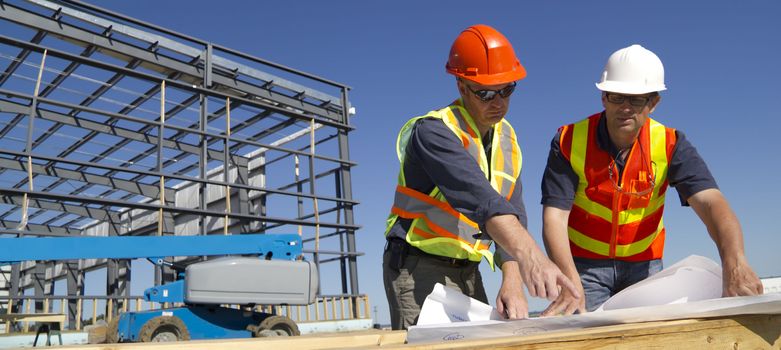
x=688 y=289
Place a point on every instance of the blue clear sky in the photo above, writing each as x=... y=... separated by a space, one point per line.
x=722 y=73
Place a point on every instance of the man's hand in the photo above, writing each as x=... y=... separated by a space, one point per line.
x=543 y=278
x=511 y=301
x=737 y=276
x=738 y=279
x=554 y=234
x=567 y=303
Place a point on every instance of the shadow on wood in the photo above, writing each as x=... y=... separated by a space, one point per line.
x=768 y=327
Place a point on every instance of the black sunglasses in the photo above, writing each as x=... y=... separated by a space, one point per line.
x=637 y=101
x=488 y=95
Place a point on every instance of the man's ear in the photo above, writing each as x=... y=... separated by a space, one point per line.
x=604 y=100
x=655 y=102
x=460 y=86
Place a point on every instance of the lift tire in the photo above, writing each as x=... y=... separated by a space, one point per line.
x=112 y=331
x=163 y=329
x=276 y=326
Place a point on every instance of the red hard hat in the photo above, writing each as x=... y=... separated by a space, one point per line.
x=483 y=55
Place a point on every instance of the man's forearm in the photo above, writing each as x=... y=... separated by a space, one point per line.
x=721 y=222
x=723 y=226
x=542 y=277
x=511 y=273
x=508 y=232
x=554 y=235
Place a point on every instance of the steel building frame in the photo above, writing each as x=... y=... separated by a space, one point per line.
x=113 y=126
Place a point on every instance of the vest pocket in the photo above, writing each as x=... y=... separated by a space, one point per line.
x=639 y=194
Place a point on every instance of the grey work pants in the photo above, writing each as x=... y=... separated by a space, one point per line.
x=408 y=287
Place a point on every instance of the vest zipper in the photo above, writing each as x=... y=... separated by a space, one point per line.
x=614 y=223
x=617 y=202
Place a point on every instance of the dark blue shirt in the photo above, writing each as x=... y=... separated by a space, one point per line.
x=687 y=171
x=436 y=157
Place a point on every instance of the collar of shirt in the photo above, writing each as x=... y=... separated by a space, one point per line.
x=606 y=144
x=603 y=138
x=488 y=141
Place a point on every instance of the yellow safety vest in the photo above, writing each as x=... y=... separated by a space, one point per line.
x=436 y=227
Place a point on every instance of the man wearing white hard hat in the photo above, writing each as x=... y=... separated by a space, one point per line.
x=604 y=187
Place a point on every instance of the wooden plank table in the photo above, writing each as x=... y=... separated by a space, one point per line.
x=48 y=324
x=733 y=332
x=32 y=318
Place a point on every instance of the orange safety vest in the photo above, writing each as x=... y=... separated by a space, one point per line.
x=612 y=218
x=436 y=227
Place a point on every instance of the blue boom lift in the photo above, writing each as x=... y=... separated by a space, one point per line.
x=274 y=274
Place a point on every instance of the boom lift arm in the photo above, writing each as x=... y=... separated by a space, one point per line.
x=278 y=246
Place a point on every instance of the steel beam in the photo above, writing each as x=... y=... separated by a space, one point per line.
x=347 y=193
x=263 y=146
x=178 y=177
x=80 y=210
x=51 y=87
x=133 y=187
x=38 y=230
x=187 y=50
x=150 y=60
x=75 y=285
x=136 y=205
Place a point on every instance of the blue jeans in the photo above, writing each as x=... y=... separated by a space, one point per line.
x=603 y=278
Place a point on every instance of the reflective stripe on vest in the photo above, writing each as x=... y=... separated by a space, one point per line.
x=606 y=222
x=437 y=228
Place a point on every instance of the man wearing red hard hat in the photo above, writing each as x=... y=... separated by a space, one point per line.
x=459 y=190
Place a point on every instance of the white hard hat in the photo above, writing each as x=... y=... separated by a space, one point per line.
x=633 y=70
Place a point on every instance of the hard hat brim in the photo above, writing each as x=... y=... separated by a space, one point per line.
x=494 y=79
x=628 y=88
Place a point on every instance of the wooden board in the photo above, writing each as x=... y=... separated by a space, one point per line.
x=362 y=339
x=32 y=318
x=738 y=332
